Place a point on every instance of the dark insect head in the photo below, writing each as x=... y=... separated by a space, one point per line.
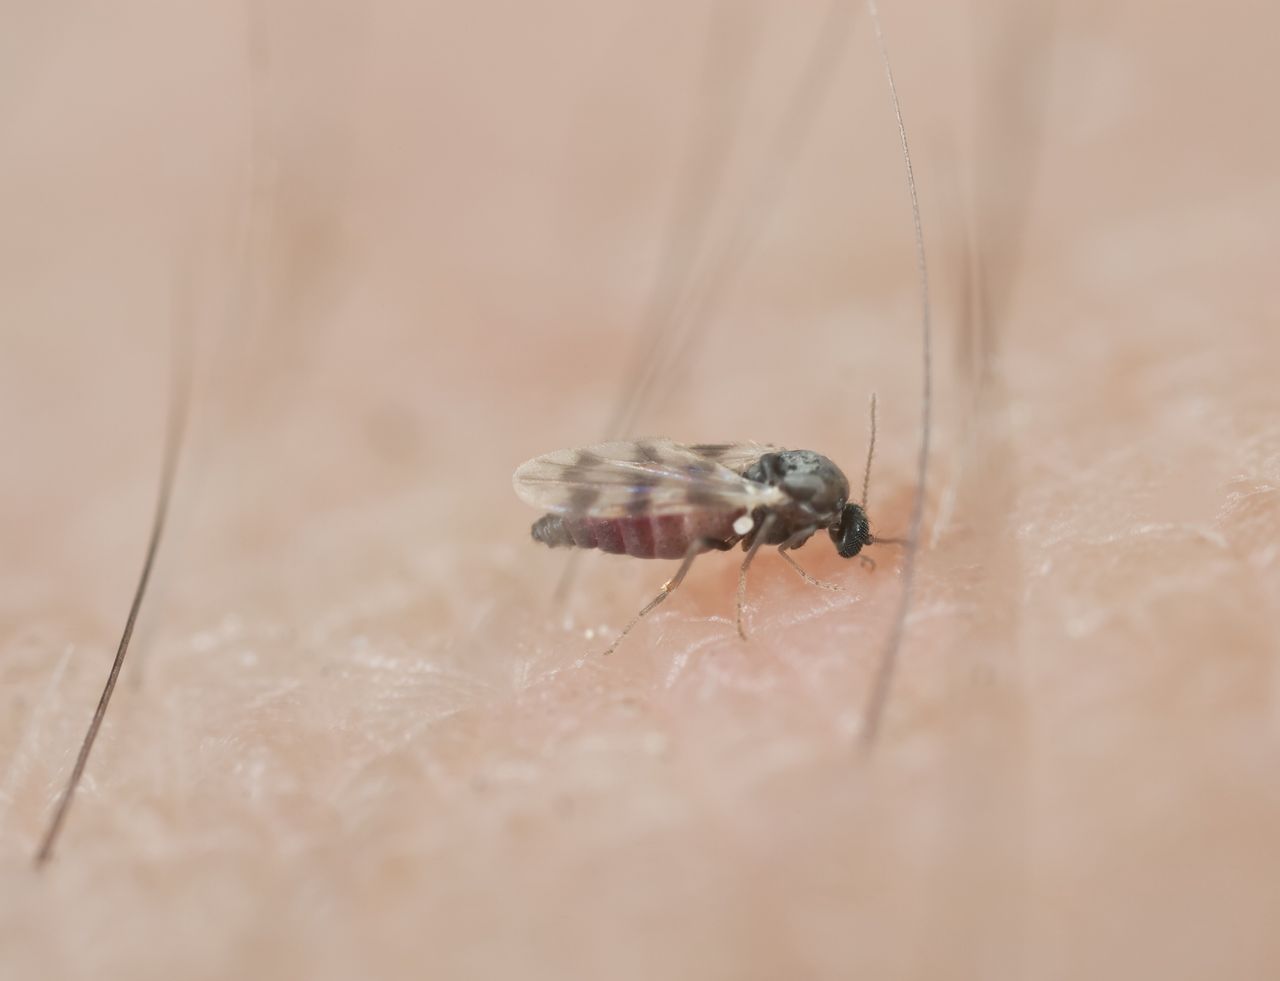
x=852 y=531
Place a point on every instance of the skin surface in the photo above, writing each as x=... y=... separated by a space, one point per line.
x=411 y=248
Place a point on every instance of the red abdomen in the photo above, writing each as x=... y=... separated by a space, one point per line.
x=662 y=536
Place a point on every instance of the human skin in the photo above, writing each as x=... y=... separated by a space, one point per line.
x=410 y=247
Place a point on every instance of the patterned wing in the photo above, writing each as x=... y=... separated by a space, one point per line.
x=647 y=476
x=736 y=456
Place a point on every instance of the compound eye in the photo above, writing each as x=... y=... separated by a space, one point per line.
x=852 y=532
x=847 y=545
x=862 y=528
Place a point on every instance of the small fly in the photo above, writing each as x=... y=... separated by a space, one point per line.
x=658 y=499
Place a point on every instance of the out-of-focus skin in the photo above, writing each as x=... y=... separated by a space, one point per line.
x=355 y=739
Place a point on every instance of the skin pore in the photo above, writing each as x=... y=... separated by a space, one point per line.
x=356 y=738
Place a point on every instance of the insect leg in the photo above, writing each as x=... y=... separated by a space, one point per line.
x=695 y=548
x=761 y=535
x=868 y=562
x=811 y=580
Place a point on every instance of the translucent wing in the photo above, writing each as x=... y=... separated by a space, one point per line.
x=736 y=456
x=648 y=476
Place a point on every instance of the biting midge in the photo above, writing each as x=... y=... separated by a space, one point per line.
x=659 y=499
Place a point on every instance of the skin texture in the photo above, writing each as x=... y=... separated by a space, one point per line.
x=410 y=247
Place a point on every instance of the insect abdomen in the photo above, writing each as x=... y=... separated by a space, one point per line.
x=660 y=536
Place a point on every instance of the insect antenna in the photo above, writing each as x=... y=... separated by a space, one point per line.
x=883 y=680
x=866 y=479
x=179 y=401
x=871 y=452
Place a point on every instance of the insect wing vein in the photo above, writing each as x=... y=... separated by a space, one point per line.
x=643 y=476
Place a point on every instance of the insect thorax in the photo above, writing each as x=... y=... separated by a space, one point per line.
x=816 y=491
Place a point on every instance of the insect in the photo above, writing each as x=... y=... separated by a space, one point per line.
x=658 y=499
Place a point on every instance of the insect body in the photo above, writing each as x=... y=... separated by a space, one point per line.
x=655 y=498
